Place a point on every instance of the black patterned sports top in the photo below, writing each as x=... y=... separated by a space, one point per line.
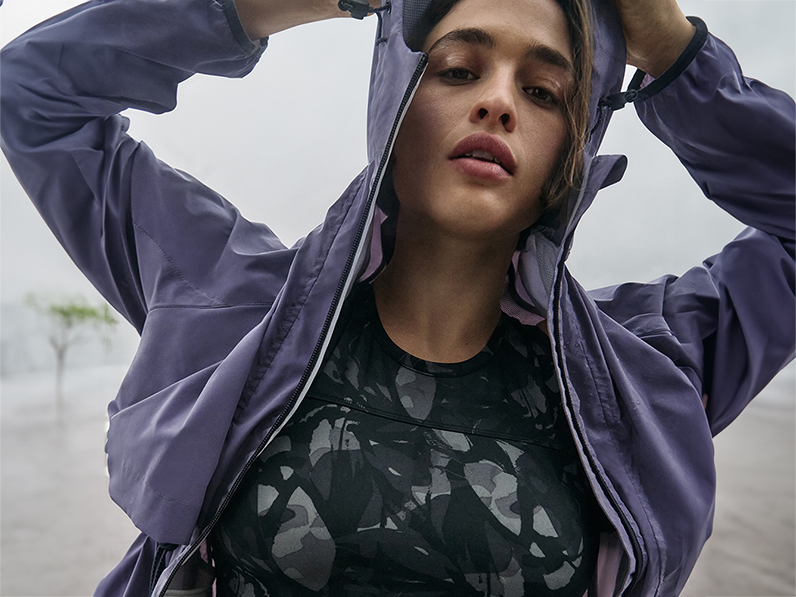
x=398 y=476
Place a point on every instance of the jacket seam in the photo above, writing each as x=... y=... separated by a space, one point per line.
x=132 y=251
x=264 y=361
x=224 y=306
x=178 y=270
x=656 y=332
x=628 y=474
x=143 y=482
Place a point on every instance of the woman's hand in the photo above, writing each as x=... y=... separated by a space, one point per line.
x=656 y=32
x=261 y=18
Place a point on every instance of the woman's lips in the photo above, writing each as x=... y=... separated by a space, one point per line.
x=484 y=156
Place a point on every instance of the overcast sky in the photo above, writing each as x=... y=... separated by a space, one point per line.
x=284 y=142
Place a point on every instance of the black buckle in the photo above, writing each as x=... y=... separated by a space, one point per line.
x=359 y=9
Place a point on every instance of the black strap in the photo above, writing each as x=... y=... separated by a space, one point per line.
x=159 y=563
x=359 y=9
x=634 y=93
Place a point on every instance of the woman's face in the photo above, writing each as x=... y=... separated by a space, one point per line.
x=486 y=125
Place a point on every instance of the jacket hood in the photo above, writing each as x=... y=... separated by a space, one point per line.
x=395 y=74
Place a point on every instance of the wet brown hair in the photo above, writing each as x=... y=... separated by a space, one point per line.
x=568 y=171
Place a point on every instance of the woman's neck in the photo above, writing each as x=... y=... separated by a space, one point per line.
x=439 y=297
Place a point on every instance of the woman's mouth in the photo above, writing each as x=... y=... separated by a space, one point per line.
x=483 y=156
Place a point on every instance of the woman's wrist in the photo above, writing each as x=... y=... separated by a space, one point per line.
x=261 y=18
x=659 y=55
x=656 y=33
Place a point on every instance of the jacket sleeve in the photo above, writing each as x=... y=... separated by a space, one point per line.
x=729 y=323
x=63 y=84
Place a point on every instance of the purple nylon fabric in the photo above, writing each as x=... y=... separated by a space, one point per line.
x=229 y=317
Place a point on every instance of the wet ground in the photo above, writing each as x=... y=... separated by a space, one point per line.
x=60 y=533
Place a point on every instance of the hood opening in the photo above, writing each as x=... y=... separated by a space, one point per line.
x=536 y=261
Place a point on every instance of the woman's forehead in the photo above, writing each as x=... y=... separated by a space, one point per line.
x=524 y=22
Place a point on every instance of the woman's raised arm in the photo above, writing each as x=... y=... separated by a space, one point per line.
x=123 y=216
x=262 y=18
x=732 y=316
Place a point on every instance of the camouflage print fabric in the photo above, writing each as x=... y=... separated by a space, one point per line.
x=402 y=477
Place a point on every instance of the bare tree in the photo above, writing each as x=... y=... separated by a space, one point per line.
x=70 y=318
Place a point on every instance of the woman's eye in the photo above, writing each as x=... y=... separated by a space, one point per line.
x=458 y=74
x=542 y=95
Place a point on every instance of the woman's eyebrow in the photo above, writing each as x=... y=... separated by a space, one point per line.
x=470 y=35
x=479 y=37
x=551 y=56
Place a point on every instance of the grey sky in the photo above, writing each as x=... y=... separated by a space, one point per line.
x=284 y=142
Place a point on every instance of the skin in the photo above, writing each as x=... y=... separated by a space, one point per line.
x=656 y=33
x=438 y=297
x=261 y=18
x=455 y=228
x=656 y=30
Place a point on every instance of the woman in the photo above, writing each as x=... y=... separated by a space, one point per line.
x=252 y=332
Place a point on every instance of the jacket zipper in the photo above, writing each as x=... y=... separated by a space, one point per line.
x=567 y=398
x=306 y=377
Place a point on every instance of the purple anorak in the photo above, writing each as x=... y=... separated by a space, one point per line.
x=234 y=324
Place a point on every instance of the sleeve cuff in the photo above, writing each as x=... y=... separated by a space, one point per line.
x=238 y=31
x=635 y=92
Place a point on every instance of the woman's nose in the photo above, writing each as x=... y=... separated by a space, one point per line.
x=497 y=104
